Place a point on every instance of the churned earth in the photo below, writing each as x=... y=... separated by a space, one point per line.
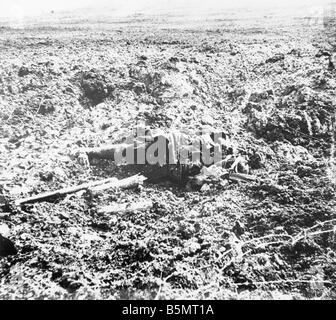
x=69 y=86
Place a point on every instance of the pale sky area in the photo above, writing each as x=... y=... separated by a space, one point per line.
x=13 y=8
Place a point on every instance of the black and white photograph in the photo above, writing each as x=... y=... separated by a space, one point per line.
x=167 y=150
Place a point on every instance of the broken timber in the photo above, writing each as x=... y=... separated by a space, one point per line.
x=107 y=152
x=127 y=183
x=242 y=177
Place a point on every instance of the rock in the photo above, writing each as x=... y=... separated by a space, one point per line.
x=70 y=282
x=191 y=247
x=6 y=247
x=207 y=120
x=205 y=188
x=23 y=71
x=276 y=58
x=4 y=230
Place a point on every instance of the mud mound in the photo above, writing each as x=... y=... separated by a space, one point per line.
x=96 y=86
x=300 y=116
x=164 y=83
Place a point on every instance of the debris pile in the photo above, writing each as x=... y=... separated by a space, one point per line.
x=96 y=87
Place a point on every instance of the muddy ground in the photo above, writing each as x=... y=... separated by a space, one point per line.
x=272 y=89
